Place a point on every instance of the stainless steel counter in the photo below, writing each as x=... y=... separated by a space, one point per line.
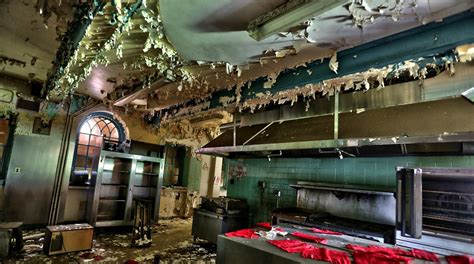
x=232 y=250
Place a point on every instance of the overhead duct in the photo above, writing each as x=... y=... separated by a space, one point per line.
x=401 y=119
x=288 y=15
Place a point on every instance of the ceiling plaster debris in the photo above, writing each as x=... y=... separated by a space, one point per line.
x=362 y=13
x=135 y=39
x=465 y=52
x=159 y=54
x=370 y=79
x=157 y=58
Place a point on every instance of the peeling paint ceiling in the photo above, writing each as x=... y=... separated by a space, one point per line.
x=215 y=30
x=182 y=50
x=29 y=33
x=215 y=51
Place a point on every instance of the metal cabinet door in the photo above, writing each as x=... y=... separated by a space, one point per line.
x=409 y=202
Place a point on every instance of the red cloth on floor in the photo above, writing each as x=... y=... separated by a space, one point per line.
x=332 y=256
x=309 y=237
x=367 y=257
x=460 y=259
x=266 y=225
x=378 y=249
x=247 y=233
x=290 y=246
x=325 y=231
x=423 y=254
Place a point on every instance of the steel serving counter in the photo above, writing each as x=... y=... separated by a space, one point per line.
x=232 y=250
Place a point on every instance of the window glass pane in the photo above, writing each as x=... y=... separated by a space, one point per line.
x=96 y=140
x=82 y=150
x=90 y=141
x=94 y=151
x=96 y=131
x=80 y=162
x=115 y=134
x=84 y=138
x=85 y=128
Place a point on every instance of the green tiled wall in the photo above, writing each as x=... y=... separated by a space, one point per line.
x=280 y=173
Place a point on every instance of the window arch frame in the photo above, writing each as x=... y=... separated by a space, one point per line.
x=104 y=117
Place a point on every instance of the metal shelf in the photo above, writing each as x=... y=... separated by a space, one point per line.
x=118 y=172
x=89 y=145
x=448 y=218
x=80 y=187
x=115 y=184
x=147 y=173
x=111 y=199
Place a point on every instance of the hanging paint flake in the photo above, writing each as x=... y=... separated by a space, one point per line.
x=67 y=52
x=50 y=111
x=77 y=68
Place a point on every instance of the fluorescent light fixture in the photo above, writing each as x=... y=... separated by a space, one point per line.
x=288 y=15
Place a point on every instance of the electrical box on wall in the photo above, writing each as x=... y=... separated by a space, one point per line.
x=28 y=105
x=42 y=128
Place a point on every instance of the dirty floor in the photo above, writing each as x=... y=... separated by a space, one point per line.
x=172 y=243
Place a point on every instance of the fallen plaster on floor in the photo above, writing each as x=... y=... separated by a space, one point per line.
x=172 y=243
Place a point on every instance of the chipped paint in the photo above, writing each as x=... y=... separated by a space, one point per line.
x=465 y=52
x=11 y=61
x=333 y=64
x=271 y=80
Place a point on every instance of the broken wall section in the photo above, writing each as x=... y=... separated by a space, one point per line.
x=202 y=176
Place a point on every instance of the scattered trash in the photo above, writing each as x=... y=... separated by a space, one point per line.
x=172 y=243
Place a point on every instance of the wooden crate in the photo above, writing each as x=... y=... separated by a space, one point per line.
x=68 y=238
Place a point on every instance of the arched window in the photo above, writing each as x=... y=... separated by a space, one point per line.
x=97 y=131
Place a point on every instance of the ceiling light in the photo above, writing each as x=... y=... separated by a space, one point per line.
x=288 y=15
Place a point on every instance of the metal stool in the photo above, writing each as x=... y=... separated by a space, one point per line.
x=16 y=235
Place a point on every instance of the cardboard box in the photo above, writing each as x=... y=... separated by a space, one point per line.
x=68 y=238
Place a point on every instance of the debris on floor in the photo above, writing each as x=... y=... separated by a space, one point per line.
x=172 y=243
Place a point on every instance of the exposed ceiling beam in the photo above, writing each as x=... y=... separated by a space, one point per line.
x=140 y=93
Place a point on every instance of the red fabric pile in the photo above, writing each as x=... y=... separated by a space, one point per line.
x=376 y=254
x=422 y=254
x=460 y=259
x=332 y=256
x=388 y=255
x=309 y=237
x=291 y=246
x=377 y=249
x=325 y=231
x=309 y=251
x=246 y=233
x=364 y=257
x=265 y=225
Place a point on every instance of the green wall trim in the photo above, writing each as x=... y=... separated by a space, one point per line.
x=280 y=173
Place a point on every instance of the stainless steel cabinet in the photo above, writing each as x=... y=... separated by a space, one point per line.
x=121 y=178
